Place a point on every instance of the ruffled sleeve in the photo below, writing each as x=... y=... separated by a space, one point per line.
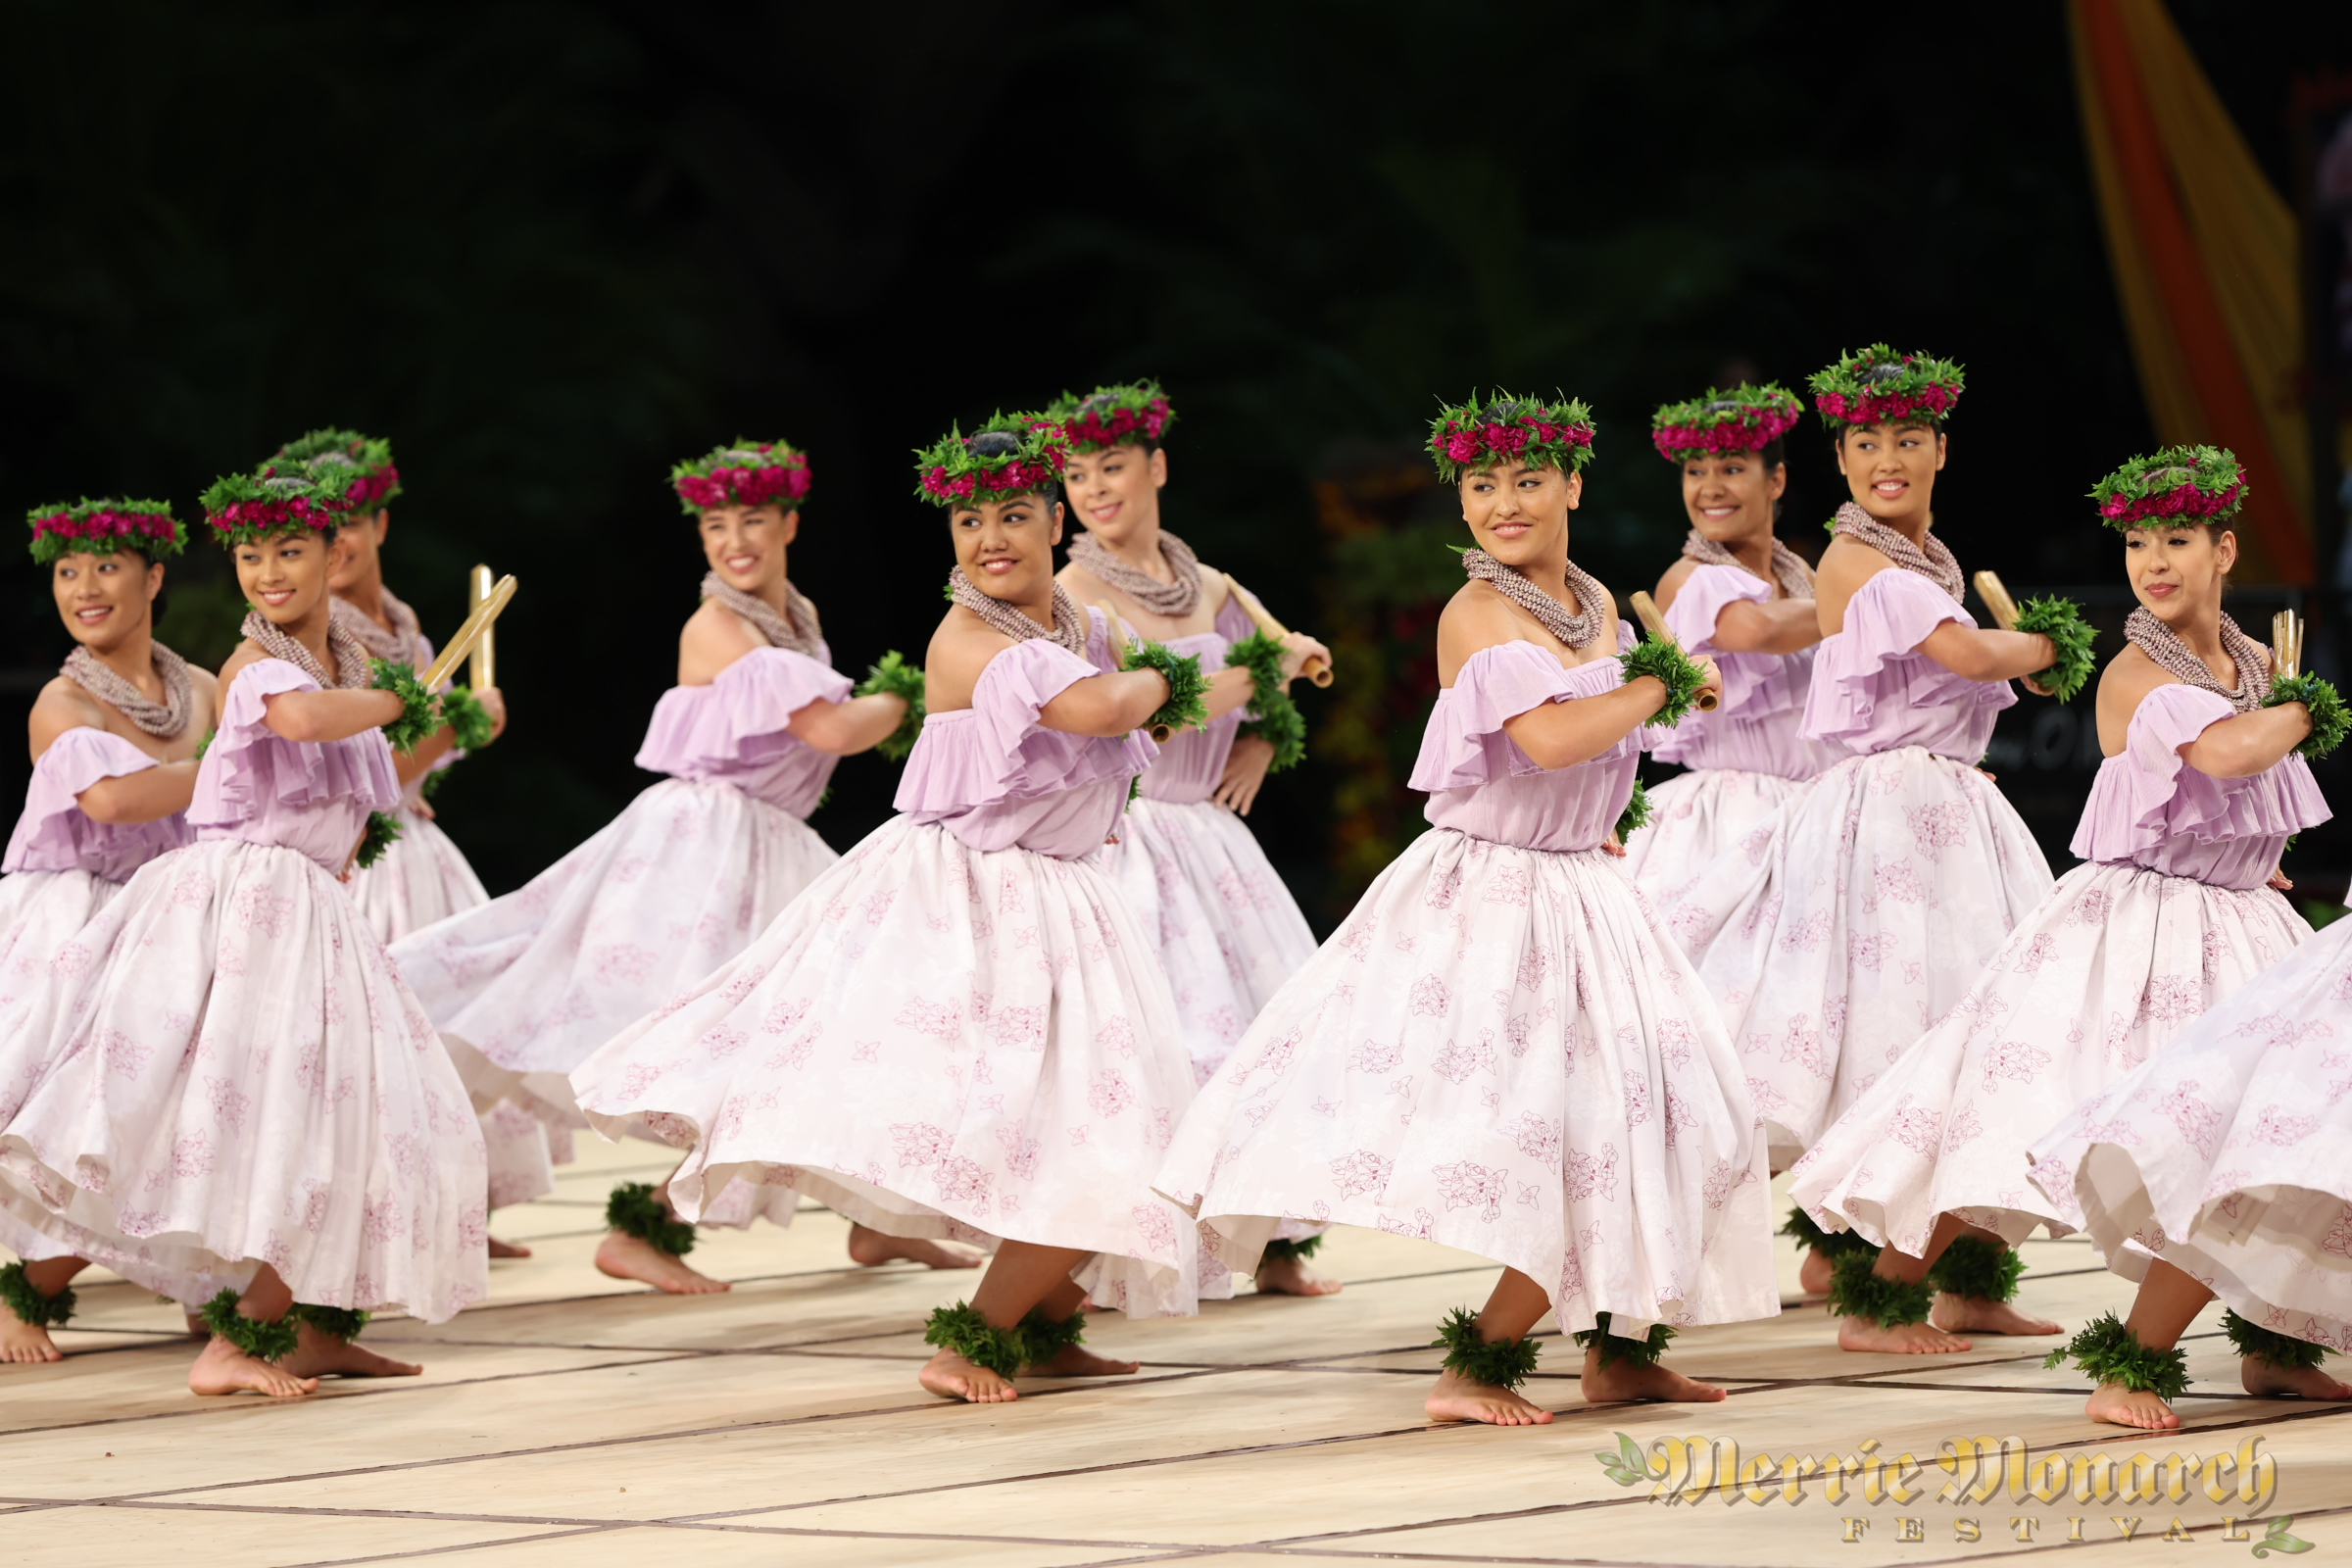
x=1702 y=601
x=1886 y=622
x=249 y=766
x=51 y=832
x=1464 y=744
x=2149 y=794
x=740 y=720
x=995 y=748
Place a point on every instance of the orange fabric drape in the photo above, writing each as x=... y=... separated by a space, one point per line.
x=2204 y=256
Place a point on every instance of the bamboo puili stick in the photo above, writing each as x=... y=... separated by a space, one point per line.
x=481 y=670
x=1645 y=610
x=484 y=615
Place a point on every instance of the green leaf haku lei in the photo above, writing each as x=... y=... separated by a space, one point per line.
x=1974 y=1268
x=634 y=1210
x=1664 y=660
x=1491 y=1364
x=382 y=830
x=2107 y=1351
x=2329 y=717
x=1636 y=815
x=419 y=710
x=31 y=1306
x=1831 y=1245
x=1274 y=716
x=1616 y=1347
x=2281 y=1350
x=467 y=720
x=2061 y=621
x=263 y=1341
x=1187 y=706
x=1856 y=1292
x=1011 y=455
x=893 y=676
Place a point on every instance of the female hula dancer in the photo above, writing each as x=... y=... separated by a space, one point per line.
x=959 y=1028
x=113 y=764
x=2169 y=914
x=526 y=986
x=420 y=876
x=1228 y=933
x=2217 y=1167
x=1744 y=598
x=1835 y=935
x=1499 y=1051
x=236 y=1081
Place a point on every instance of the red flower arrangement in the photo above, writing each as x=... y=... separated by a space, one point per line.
x=102 y=528
x=749 y=473
x=1515 y=430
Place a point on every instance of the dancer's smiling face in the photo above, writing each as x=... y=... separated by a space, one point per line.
x=1519 y=514
x=2179 y=571
x=746 y=544
x=1115 y=491
x=105 y=599
x=1730 y=495
x=1892 y=468
x=1007 y=547
x=284 y=575
x=356 y=554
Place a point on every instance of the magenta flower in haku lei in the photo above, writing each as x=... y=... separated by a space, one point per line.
x=1520 y=431
x=1746 y=419
x=2195 y=484
x=749 y=473
x=101 y=527
x=242 y=508
x=376 y=479
x=1009 y=455
x=1879 y=386
x=1134 y=411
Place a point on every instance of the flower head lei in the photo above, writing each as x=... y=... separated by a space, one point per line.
x=1746 y=419
x=102 y=528
x=749 y=473
x=1522 y=431
x=378 y=480
x=245 y=508
x=2186 y=484
x=1009 y=455
x=1879 y=386
x=1138 y=413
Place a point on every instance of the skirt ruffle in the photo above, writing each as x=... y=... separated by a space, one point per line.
x=421 y=878
x=235 y=1076
x=1838 y=933
x=933 y=1041
x=2099 y=979
x=1499 y=1052
x=1696 y=817
x=529 y=986
x=2225 y=1154
x=1227 y=931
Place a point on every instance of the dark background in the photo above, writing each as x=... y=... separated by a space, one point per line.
x=550 y=249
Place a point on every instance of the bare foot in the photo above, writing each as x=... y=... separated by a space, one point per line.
x=1293 y=1276
x=318 y=1356
x=1457 y=1399
x=1814 y=1274
x=1980 y=1314
x=222 y=1368
x=1912 y=1338
x=870 y=1247
x=622 y=1256
x=1623 y=1380
x=26 y=1343
x=2118 y=1405
x=952 y=1377
x=2270 y=1377
x=498 y=1249
x=1077 y=1361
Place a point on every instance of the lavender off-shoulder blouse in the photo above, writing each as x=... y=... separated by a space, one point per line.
x=737 y=731
x=998 y=779
x=258 y=787
x=1759 y=726
x=1873 y=692
x=2148 y=808
x=1193 y=759
x=55 y=834
x=1481 y=784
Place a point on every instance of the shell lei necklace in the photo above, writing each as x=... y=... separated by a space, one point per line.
x=165 y=720
x=1789 y=569
x=352 y=672
x=1174 y=600
x=796 y=629
x=1071 y=626
x=1576 y=630
x=2177 y=658
x=1935 y=562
